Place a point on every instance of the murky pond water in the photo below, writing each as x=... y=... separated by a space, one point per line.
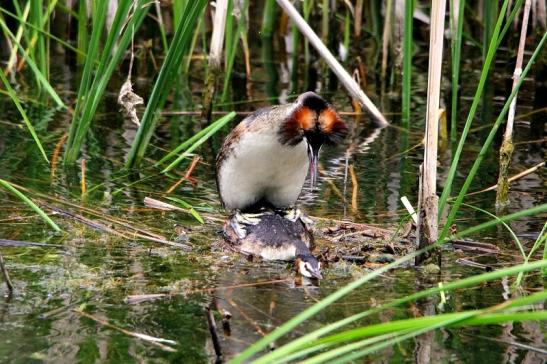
x=99 y=261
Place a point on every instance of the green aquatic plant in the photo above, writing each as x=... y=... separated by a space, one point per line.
x=178 y=47
x=95 y=77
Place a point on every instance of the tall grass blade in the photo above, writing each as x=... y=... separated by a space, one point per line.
x=28 y=202
x=310 y=311
x=178 y=47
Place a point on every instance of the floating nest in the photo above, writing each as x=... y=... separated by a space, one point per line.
x=328 y=240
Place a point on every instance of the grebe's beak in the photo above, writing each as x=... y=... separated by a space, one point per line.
x=313 y=156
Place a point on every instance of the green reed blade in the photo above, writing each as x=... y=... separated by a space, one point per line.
x=191 y=210
x=28 y=202
x=511 y=232
x=212 y=129
x=268 y=18
x=178 y=47
x=457 y=30
x=91 y=91
x=476 y=99
x=471 y=174
x=407 y=61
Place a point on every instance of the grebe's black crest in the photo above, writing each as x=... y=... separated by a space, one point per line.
x=314 y=119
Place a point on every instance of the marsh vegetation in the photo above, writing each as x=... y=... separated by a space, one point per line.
x=113 y=112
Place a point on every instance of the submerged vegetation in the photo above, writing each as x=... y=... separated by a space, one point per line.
x=142 y=179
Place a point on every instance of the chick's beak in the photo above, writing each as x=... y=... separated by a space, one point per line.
x=313 y=156
x=316 y=274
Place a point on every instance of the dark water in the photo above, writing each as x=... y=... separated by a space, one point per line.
x=96 y=271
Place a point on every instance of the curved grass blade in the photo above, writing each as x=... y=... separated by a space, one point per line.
x=29 y=203
x=303 y=341
x=15 y=99
x=511 y=232
x=187 y=206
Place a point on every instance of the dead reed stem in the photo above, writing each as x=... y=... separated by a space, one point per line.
x=56 y=153
x=83 y=183
x=429 y=201
x=215 y=57
x=507 y=147
x=511 y=179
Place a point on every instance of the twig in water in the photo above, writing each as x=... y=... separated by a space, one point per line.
x=56 y=153
x=82 y=181
x=511 y=179
x=214 y=335
x=187 y=175
x=156 y=341
x=6 y=274
x=355 y=189
x=6 y=242
x=147 y=297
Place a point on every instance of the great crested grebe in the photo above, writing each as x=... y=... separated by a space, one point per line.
x=264 y=161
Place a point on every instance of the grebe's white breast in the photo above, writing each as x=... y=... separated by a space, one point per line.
x=260 y=167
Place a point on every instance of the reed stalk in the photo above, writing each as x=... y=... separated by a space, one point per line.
x=268 y=19
x=457 y=8
x=507 y=147
x=386 y=36
x=428 y=210
x=345 y=78
x=82 y=40
x=407 y=61
x=215 y=56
